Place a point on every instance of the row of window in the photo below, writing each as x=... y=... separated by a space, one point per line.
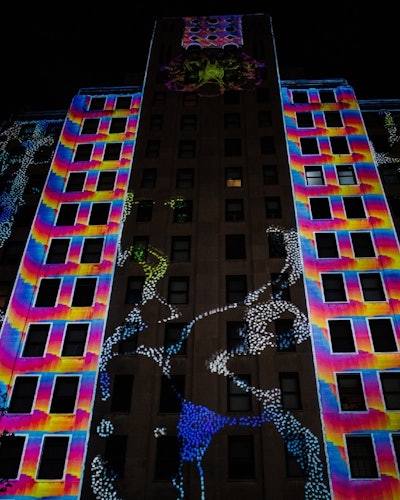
x=116 y=125
x=98 y=103
x=305 y=119
x=346 y=174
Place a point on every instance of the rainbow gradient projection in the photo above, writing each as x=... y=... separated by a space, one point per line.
x=376 y=421
x=23 y=312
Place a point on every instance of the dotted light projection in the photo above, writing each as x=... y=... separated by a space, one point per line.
x=198 y=424
x=21 y=312
x=376 y=421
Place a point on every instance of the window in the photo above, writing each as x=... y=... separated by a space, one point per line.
x=360 y=450
x=351 y=393
x=153 y=149
x=236 y=288
x=178 y=290
x=362 y=244
x=180 y=248
x=327 y=96
x=314 y=175
x=53 y=456
x=346 y=175
x=23 y=394
x=231 y=120
x=273 y=207
x=83 y=152
x=58 y=251
x=5 y=290
x=12 y=253
x=233 y=147
x=11 y=450
x=112 y=151
x=326 y=245
x=172 y=392
x=394 y=203
x=391 y=389
x=341 y=335
x=122 y=393
x=372 y=287
x=159 y=98
x=128 y=345
x=99 y=213
x=75 y=339
x=396 y=446
x=235 y=246
x=67 y=214
x=174 y=338
x=309 y=146
x=267 y=145
x=333 y=286
x=339 y=145
x=90 y=126
x=24 y=216
x=134 y=289
x=115 y=453
x=144 y=210
x=233 y=177
x=189 y=122
x=320 y=208
x=234 y=210
x=280 y=286
x=118 y=125
x=241 y=463
x=276 y=244
x=290 y=390
x=189 y=99
x=187 y=149
x=149 y=176
x=92 y=250
x=270 y=174
x=293 y=463
x=140 y=245
x=84 y=292
x=390 y=174
x=262 y=94
x=264 y=119
x=123 y=102
x=284 y=334
x=305 y=119
x=36 y=340
x=106 y=181
x=167 y=457
x=382 y=334
x=48 y=292
x=238 y=398
x=354 y=207
x=184 y=177
x=97 y=103
x=156 y=122
x=231 y=97
x=76 y=181
x=64 y=394
x=183 y=211
x=299 y=96
x=333 y=119
x=236 y=337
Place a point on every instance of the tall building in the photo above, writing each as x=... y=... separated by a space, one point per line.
x=200 y=283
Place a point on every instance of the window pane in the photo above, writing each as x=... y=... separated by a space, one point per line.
x=361 y=457
x=341 y=335
x=382 y=334
x=84 y=292
x=36 y=341
x=75 y=339
x=52 y=460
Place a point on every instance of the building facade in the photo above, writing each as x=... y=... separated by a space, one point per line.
x=200 y=286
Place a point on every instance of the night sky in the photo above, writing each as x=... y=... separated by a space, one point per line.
x=48 y=55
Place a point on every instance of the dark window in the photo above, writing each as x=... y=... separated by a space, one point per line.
x=234 y=210
x=326 y=245
x=314 y=175
x=346 y=175
x=293 y=465
x=75 y=339
x=382 y=334
x=372 y=287
x=52 y=459
x=76 y=181
x=320 y=208
x=178 y=290
x=106 y=181
x=270 y=174
x=84 y=292
x=180 y=248
x=267 y=145
x=90 y=126
x=134 y=289
x=115 y=454
x=396 y=446
x=99 y=213
x=236 y=337
x=167 y=457
x=122 y=393
x=58 y=251
x=276 y=244
x=390 y=173
x=188 y=122
x=48 y=292
x=284 y=334
x=118 y=125
x=300 y=96
x=361 y=455
x=187 y=149
x=280 y=287
x=64 y=394
x=23 y=394
x=67 y=214
x=238 y=398
x=341 y=335
x=83 y=152
x=144 y=211
x=309 y=146
x=156 y=122
x=235 y=246
x=233 y=147
x=140 y=246
x=189 y=99
x=380 y=142
x=97 y=103
x=184 y=177
x=232 y=120
x=305 y=119
x=112 y=151
x=24 y=216
x=172 y=391
x=362 y=244
x=391 y=390
x=159 y=98
x=273 y=208
x=351 y=393
x=149 y=176
x=327 y=96
x=153 y=149
x=333 y=286
x=339 y=145
x=12 y=253
x=262 y=94
x=236 y=288
x=241 y=464
x=5 y=290
x=36 y=340
x=264 y=119
x=290 y=390
x=394 y=203
x=183 y=211
x=92 y=250
x=11 y=450
x=128 y=345
x=231 y=97
x=333 y=119
x=354 y=207
x=175 y=338
x=233 y=177
x=123 y=102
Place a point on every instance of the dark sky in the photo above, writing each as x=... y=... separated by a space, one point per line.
x=49 y=53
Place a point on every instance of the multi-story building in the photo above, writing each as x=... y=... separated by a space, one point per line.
x=200 y=283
